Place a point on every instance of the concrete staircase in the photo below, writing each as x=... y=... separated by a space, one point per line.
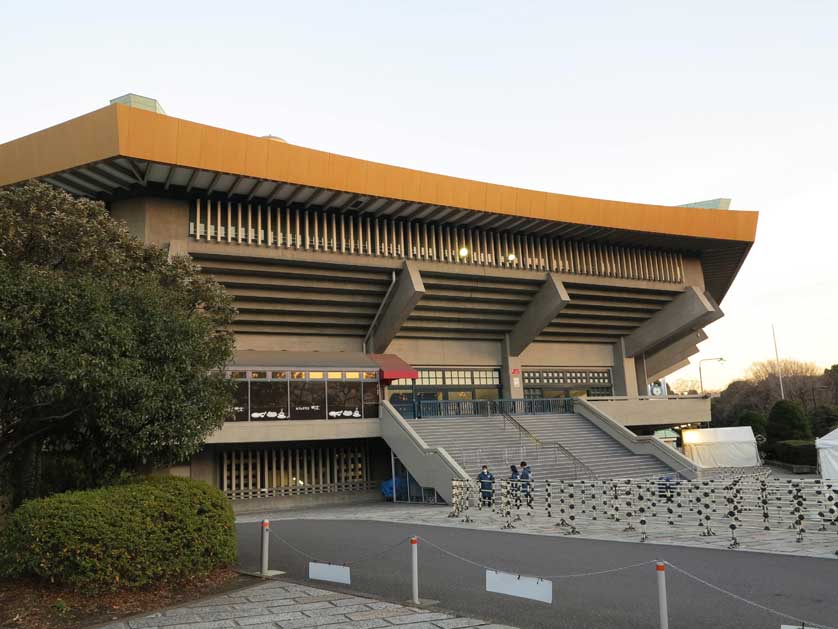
x=493 y=441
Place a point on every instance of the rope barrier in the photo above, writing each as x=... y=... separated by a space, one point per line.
x=554 y=577
x=350 y=563
x=745 y=600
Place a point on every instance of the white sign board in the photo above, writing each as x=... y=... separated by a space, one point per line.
x=328 y=572
x=515 y=585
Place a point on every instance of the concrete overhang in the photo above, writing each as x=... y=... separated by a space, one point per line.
x=121 y=152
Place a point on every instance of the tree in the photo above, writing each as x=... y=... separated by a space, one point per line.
x=108 y=349
x=686 y=386
x=757 y=421
x=799 y=378
x=787 y=420
x=765 y=369
x=824 y=420
x=829 y=380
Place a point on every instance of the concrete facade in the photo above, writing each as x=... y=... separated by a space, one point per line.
x=328 y=254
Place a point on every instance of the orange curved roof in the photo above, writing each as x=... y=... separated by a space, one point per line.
x=118 y=130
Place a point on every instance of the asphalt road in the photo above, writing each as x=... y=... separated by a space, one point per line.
x=803 y=587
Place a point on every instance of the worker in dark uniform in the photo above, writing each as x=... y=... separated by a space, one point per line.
x=514 y=487
x=526 y=483
x=487 y=486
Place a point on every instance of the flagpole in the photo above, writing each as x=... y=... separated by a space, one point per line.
x=777 y=359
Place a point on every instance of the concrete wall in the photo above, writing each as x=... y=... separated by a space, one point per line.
x=568 y=355
x=298 y=343
x=289 y=430
x=653 y=411
x=447 y=352
x=154 y=220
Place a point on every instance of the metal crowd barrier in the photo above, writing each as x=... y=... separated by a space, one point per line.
x=747 y=503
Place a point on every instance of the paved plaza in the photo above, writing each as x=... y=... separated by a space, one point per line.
x=685 y=532
x=285 y=605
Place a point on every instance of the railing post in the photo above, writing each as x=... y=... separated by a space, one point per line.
x=266 y=532
x=414 y=562
x=660 y=568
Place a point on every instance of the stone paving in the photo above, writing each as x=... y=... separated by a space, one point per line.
x=781 y=540
x=285 y=605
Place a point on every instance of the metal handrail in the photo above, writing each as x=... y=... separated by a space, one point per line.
x=577 y=462
x=523 y=430
x=417 y=409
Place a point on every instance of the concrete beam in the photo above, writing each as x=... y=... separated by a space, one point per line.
x=406 y=293
x=672 y=368
x=549 y=301
x=690 y=311
x=673 y=354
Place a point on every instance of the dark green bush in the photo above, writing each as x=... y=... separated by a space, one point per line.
x=160 y=529
x=757 y=421
x=796 y=451
x=787 y=420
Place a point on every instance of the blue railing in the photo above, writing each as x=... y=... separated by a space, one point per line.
x=483 y=408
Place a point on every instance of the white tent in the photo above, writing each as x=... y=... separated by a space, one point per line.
x=828 y=455
x=722 y=447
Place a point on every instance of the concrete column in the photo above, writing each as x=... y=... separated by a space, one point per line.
x=204 y=466
x=641 y=375
x=623 y=374
x=549 y=301
x=154 y=220
x=406 y=293
x=512 y=376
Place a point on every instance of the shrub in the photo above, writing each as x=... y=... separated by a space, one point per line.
x=796 y=451
x=160 y=529
x=757 y=422
x=824 y=420
x=787 y=420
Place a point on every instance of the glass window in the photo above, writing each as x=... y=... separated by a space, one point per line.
x=237 y=375
x=459 y=395
x=299 y=375
x=371 y=397
x=315 y=375
x=335 y=375
x=370 y=375
x=240 y=402
x=487 y=377
x=268 y=400
x=400 y=396
x=279 y=375
x=258 y=375
x=429 y=377
x=486 y=394
x=344 y=399
x=457 y=377
x=353 y=375
x=308 y=399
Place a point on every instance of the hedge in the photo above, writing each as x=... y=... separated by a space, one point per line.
x=795 y=451
x=157 y=530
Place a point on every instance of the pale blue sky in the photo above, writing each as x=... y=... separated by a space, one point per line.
x=639 y=101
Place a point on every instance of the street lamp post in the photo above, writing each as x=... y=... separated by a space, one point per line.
x=700 y=377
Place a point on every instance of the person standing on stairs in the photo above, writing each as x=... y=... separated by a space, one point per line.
x=514 y=486
x=526 y=483
x=487 y=486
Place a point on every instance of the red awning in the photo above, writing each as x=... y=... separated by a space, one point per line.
x=393 y=367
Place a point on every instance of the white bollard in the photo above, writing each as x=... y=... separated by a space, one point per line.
x=414 y=557
x=660 y=568
x=266 y=532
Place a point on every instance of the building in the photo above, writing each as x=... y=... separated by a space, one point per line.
x=364 y=288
